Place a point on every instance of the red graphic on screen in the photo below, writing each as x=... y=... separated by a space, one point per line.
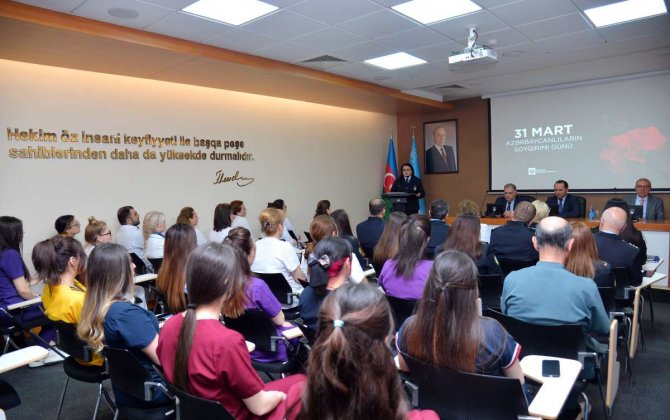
x=633 y=146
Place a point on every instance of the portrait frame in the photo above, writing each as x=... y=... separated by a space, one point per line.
x=434 y=162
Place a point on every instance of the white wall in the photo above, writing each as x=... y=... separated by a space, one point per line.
x=303 y=152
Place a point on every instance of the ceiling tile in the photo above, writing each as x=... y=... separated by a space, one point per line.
x=378 y=24
x=282 y=4
x=57 y=5
x=456 y=28
x=558 y=26
x=436 y=52
x=487 y=4
x=288 y=52
x=171 y=4
x=572 y=41
x=364 y=51
x=328 y=39
x=242 y=40
x=413 y=38
x=526 y=11
x=186 y=26
x=333 y=12
x=148 y=13
x=284 y=25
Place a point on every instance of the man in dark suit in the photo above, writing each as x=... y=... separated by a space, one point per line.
x=439 y=157
x=613 y=249
x=369 y=231
x=652 y=206
x=509 y=200
x=513 y=241
x=567 y=204
x=439 y=229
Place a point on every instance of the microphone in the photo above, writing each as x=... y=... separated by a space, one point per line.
x=481 y=205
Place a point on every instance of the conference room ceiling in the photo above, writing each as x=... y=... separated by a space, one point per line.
x=539 y=42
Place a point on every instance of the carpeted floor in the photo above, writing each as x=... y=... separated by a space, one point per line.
x=647 y=398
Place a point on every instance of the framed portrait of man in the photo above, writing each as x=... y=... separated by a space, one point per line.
x=440 y=141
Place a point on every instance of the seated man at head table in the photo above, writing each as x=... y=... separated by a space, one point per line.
x=509 y=200
x=652 y=206
x=567 y=204
x=513 y=241
x=613 y=249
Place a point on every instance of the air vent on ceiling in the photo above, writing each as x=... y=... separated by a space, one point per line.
x=324 y=59
x=450 y=87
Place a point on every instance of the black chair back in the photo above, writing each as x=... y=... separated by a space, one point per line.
x=156 y=263
x=68 y=341
x=564 y=341
x=256 y=327
x=581 y=205
x=278 y=286
x=507 y=266
x=450 y=393
x=622 y=284
x=126 y=372
x=190 y=407
x=490 y=290
x=140 y=266
x=401 y=309
x=369 y=252
x=608 y=296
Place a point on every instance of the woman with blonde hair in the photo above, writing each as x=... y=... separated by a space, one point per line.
x=108 y=318
x=274 y=255
x=541 y=211
x=470 y=207
x=153 y=230
x=180 y=241
x=583 y=259
x=188 y=216
x=96 y=232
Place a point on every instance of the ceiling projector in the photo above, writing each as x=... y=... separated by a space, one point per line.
x=473 y=55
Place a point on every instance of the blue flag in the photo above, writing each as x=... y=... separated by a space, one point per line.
x=414 y=161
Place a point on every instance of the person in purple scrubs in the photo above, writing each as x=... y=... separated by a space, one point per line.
x=257 y=295
x=405 y=275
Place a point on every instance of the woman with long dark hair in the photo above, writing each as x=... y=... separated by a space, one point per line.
x=109 y=318
x=180 y=241
x=350 y=373
x=15 y=281
x=404 y=275
x=464 y=236
x=344 y=231
x=222 y=222
x=447 y=330
x=387 y=247
x=200 y=355
x=583 y=259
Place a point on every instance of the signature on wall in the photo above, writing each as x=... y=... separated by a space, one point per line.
x=241 y=181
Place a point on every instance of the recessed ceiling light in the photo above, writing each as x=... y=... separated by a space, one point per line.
x=625 y=11
x=431 y=11
x=231 y=12
x=123 y=13
x=395 y=61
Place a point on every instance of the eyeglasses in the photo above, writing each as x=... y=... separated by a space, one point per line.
x=643 y=186
x=108 y=233
x=75 y=224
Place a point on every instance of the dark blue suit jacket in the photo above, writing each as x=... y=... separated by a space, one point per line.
x=412 y=187
x=500 y=201
x=369 y=232
x=570 y=206
x=512 y=241
x=439 y=232
x=619 y=253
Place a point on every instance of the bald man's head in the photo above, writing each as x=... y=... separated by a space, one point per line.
x=613 y=220
x=553 y=232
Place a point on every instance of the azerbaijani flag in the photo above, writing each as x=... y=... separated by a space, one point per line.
x=391 y=168
x=414 y=161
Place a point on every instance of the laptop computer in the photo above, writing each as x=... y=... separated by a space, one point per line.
x=636 y=212
x=494 y=210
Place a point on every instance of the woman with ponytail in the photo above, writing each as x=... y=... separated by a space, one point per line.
x=61 y=263
x=350 y=373
x=109 y=318
x=201 y=356
x=15 y=280
x=447 y=330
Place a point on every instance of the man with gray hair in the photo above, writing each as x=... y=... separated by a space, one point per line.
x=614 y=250
x=547 y=293
x=513 y=241
x=439 y=229
x=510 y=200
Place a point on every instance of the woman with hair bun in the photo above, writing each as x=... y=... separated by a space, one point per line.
x=188 y=216
x=279 y=204
x=322 y=208
x=96 y=232
x=404 y=275
x=350 y=373
x=201 y=356
x=447 y=330
x=274 y=255
x=239 y=215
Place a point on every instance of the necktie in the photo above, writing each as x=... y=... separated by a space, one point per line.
x=644 y=210
x=444 y=157
x=407 y=179
x=509 y=206
x=560 y=205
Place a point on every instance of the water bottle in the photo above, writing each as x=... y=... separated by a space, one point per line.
x=592 y=214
